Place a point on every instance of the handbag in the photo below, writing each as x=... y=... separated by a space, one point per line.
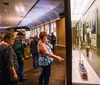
x=43 y=59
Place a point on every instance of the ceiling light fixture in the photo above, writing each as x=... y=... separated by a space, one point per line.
x=51 y=8
x=19 y=8
x=5 y=27
x=78 y=8
x=5 y=10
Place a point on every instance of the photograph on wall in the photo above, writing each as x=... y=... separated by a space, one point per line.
x=93 y=30
x=94 y=19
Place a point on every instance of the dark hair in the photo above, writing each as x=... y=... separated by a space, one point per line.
x=52 y=33
x=42 y=34
x=8 y=36
x=20 y=33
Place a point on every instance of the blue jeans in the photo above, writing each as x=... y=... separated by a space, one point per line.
x=35 y=57
x=45 y=74
x=21 y=70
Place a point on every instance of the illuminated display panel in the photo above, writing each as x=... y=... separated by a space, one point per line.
x=27 y=34
x=38 y=30
x=42 y=28
x=47 y=28
x=54 y=30
x=51 y=27
x=35 y=31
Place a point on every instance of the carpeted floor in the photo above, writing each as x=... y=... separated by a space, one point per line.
x=57 y=72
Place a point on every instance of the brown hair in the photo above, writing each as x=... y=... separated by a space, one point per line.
x=42 y=34
x=7 y=36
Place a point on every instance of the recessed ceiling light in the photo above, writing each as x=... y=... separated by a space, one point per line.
x=51 y=8
x=5 y=10
x=19 y=8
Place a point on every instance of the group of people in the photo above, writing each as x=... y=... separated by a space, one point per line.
x=43 y=56
x=12 y=58
x=34 y=48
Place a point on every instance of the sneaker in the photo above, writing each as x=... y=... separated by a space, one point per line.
x=38 y=69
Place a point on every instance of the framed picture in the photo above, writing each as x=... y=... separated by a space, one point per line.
x=94 y=21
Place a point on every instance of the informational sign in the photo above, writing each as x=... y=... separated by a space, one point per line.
x=94 y=28
x=93 y=40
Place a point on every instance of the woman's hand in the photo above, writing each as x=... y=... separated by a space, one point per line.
x=60 y=59
x=46 y=42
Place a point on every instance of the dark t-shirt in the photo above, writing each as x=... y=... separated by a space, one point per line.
x=53 y=39
x=33 y=46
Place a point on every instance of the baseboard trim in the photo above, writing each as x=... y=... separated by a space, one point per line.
x=60 y=45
